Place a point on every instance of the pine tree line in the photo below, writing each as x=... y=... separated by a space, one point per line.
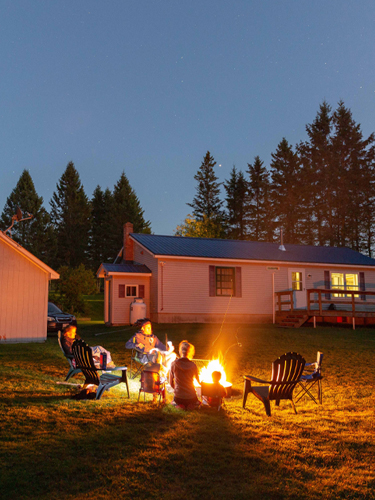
x=76 y=230
x=322 y=192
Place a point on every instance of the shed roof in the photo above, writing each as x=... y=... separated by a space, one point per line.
x=125 y=266
x=28 y=255
x=248 y=250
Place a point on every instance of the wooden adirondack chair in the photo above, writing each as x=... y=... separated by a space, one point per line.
x=73 y=370
x=286 y=372
x=84 y=360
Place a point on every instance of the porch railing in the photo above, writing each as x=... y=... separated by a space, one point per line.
x=351 y=299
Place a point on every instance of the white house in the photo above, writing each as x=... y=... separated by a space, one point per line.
x=190 y=280
x=24 y=282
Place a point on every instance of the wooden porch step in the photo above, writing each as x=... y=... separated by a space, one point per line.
x=292 y=320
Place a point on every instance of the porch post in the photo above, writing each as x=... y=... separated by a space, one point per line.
x=273 y=298
x=106 y=300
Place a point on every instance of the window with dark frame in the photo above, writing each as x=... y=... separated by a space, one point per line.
x=131 y=291
x=225 y=281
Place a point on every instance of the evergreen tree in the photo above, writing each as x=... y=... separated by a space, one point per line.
x=126 y=208
x=36 y=234
x=101 y=227
x=285 y=191
x=70 y=215
x=353 y=165
x=207 y=200
x=237 y=205
x=318 y=191
x=260 y=222
x=338 y=174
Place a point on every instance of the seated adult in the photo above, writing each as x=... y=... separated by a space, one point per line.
x=69 y=335
x=181 y=378
x=143 y=341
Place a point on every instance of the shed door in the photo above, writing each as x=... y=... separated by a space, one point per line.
x=297 y=284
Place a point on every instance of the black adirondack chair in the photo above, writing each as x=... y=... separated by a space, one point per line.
x=286 y=372
x=84 y=360
x=73 y=370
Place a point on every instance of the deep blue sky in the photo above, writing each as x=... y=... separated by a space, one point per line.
x=147 y=87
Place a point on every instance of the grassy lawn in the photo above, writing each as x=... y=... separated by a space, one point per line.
x=55 y=447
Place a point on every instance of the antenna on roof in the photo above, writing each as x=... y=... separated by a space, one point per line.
x=19 y=218
x=281 y=247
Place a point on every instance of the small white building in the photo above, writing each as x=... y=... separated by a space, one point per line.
x=24 y=281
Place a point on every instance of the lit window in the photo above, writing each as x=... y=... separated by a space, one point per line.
x=341 y=281
x=225 y=281
x=297 y=281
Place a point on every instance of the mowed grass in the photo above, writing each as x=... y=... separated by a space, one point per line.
x=55 y=447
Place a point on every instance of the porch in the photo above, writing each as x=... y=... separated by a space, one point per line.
x=325 y=305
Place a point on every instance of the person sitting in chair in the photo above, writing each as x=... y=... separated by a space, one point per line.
x=181 y=378
x=143 y=341
x=69 y=335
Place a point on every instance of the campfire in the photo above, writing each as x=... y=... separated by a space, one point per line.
x=205 y=375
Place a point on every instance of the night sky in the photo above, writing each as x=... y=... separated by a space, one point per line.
x=147 y=87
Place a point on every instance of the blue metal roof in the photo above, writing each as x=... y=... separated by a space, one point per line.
x=249 y=250
x=126 y=267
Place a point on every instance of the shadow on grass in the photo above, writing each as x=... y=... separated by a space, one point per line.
x=141 y=451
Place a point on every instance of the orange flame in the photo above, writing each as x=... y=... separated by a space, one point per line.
x=205 y=375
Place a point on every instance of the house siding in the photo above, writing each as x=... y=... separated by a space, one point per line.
x=185 y=289
x=23 y=298
x=181 y=291
x=144 y=257
x=120 y=314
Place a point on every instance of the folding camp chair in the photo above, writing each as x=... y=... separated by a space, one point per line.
x=311 y=377
x=139 y=361
x=151 y=383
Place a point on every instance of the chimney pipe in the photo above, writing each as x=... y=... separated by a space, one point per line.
x=128 y=253
x=281 y=247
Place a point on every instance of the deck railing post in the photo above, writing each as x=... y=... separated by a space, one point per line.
x=320 y=302
x=291 y=301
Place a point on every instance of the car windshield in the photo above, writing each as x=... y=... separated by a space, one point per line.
x=52 y=309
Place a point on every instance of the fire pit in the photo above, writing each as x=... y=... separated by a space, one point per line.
x=205 y=375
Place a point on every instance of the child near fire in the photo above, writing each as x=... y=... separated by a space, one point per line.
x=181 y=378
x=216 y=389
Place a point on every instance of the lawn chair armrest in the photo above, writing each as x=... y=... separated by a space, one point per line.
x=254 y=379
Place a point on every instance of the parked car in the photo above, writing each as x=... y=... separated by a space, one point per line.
x=57 y=320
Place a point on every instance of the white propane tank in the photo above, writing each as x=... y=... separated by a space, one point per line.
x=137 y=310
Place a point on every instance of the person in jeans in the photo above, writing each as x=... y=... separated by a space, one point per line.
x=181 y=378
